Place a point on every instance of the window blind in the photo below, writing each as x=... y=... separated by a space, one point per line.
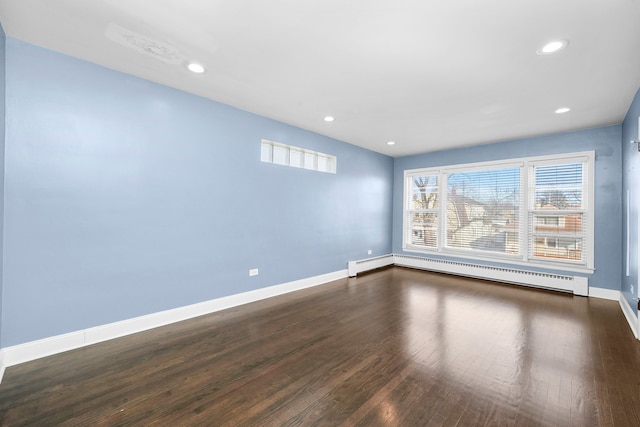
x=483 y=208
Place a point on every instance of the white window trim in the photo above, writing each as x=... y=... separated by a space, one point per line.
x=526 y=166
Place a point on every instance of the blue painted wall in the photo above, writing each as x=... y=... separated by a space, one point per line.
x=631 y=186
x=124 y=197
x=3 y=41
x=608 y=186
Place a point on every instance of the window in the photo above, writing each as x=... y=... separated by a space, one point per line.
x=557 y=212
x=534 y=210
x=288 y=155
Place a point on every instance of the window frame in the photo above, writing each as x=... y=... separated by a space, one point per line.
x=527 y=193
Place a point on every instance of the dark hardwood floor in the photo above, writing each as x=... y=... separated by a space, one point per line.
x=396 y=347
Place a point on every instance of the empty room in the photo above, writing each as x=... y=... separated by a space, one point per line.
x=293 y=213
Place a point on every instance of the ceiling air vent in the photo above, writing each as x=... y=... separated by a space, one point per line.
x=145 y=45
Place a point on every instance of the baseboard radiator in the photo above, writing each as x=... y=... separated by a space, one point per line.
x=575 y=284
x=368 y=264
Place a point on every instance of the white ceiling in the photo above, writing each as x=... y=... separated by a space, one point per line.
x=428 y=74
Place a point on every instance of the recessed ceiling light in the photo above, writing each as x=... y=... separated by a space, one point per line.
x=329 y=119
x=195 y=68
x=552 y=47
x=391 y=143
x=563 y=110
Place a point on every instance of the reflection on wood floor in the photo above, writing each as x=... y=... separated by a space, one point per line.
x=396 y=347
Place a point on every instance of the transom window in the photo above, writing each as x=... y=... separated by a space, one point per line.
x=288 y=155
x=535 y=210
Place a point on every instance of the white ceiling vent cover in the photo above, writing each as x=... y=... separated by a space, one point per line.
x=144 y=44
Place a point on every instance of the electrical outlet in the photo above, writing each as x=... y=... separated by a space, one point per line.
x=253 y=272
x=369 y=252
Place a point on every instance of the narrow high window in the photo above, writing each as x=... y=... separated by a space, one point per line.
x=288 y=155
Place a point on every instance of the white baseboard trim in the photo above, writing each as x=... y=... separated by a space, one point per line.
x=630 y=315
x=26 y=352
x=603 y=293
x=2 y=367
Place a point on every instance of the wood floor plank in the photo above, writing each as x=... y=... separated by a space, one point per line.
x=394 y=347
